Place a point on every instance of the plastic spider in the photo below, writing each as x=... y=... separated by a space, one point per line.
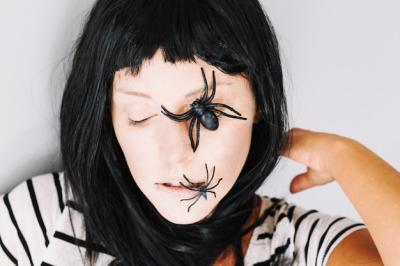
x=203 y=189
x=203 y=111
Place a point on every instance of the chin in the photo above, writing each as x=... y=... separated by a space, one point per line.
x=184 y=217
x=178 y=214
x=169 y=205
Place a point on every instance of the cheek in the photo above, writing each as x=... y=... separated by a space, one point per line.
x=135 y=144
x=230 y=148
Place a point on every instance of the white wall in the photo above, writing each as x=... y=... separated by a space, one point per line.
x=35 y=39
x=342 y=66
x=341 y=63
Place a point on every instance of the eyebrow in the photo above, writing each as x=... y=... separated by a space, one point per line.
x=188 y=95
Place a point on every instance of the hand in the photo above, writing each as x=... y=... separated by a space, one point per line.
x=318 y=151
x=371 y=184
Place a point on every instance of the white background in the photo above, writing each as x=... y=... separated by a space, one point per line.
x=341 y=61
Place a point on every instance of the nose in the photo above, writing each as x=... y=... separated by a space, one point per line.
x=175 y=143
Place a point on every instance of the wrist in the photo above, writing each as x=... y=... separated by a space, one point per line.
x=346 y=153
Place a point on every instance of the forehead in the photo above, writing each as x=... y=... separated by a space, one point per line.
x=157 y=76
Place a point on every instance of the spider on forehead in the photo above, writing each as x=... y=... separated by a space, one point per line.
x=203 y=189
x=203 y=111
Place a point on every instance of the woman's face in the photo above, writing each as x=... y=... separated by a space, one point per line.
x=158 y=150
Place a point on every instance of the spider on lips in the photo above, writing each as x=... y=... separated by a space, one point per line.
x=202 y=189
x=203 y=111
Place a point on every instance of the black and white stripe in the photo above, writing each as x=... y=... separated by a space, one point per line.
x=38 y=214
x=32 y=225
x=35 y=229
x=9 y=255
x=17 y=228
x=306 y=236
x=57 y=184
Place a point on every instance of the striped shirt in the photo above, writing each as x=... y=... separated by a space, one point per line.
x=35 y=229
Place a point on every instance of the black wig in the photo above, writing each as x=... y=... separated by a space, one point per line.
x=233 y=35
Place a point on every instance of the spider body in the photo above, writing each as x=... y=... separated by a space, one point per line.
x=202 y=189
x=203 y=112
x=207 y=118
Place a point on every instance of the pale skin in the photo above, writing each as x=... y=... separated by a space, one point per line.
x=159 y=150
x=371 y=184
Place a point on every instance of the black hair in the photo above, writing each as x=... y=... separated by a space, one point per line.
x=233 y=35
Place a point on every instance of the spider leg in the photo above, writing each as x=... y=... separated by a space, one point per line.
x=193 y=203
x=215 y=195
x=224 y=105
x=188 y=179
x=204 y=96
x=212 y=90
x=191 y=133
x=190 y=198
x=215 y=184
x=207 y=175
x=188 y=187
x=211 y=176
x=228 y=115
x=197 y=135
x=177 y=117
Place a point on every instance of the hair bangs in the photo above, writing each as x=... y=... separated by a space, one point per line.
x=182 y=31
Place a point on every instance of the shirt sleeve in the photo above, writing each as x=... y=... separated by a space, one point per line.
x=27 y=215
x=314 y=234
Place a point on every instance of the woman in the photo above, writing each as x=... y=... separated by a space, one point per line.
x=173 y=115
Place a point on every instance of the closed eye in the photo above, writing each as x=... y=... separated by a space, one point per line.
x=136 y=122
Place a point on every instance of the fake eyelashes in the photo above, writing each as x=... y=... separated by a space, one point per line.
x=202 y=190
x=203 y=112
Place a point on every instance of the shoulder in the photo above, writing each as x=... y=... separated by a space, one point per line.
x=41 y=224
x=28 y=214
x=306 y=236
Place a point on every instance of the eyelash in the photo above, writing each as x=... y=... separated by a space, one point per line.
x=134 y=122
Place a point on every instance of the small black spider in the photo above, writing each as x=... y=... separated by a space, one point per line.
x=203 y=189
x=203 y=111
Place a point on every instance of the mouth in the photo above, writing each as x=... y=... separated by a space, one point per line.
x=170 y=185
x=175 y=189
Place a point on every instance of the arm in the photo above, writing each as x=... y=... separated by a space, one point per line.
x=357 y=248
x=372 y=185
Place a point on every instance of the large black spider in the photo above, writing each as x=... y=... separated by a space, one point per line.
x=203 y=111
x=203 y=189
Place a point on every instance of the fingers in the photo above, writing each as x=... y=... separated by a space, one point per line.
x=310 y=148
x=299 y=183
x=309 y=179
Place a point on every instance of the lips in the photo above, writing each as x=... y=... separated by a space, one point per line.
x=175 y=189
x=179 y=186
